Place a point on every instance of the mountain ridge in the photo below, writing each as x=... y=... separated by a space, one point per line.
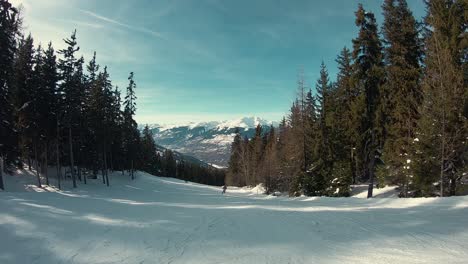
x=208 y=141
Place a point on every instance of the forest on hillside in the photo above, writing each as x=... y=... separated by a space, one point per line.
x=58 y=111
x=395 y=114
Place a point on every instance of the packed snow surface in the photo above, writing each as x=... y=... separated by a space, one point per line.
x=162 y=220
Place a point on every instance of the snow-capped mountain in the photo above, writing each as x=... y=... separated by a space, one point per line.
x=207 y=141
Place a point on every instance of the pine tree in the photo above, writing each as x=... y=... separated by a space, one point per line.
x=234 y=173
x=345 y=95
x=131 y=131
x=323 y=90
x=93 y=115
x=48 y=115
x=402 y=90
x=256 y=151
x=270 y=163
x=296 y=143
x=107 y=121
x=368 y=78
x=26 y=77
x=283 y=131
x=170 y=164
x=148 y=150
x=97 y=82
x=311 y=120
x=40 y=112
x=301 y=126
x=9 y=30
x=245 y=161
x=116 y=130
x=441 y=144
x=70 y=89
x=295 y=165
x=319 y=172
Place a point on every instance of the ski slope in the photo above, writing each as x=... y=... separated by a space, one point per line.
x=162 y=220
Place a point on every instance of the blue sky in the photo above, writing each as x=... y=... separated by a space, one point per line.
x=204 y=60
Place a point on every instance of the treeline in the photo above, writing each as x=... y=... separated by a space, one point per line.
x=57 y=110
x=165 y=162
x=396 y=114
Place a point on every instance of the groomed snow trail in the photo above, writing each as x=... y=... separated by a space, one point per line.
x=162 y=220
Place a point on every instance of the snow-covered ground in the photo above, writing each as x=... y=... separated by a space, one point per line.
x=162 y=220
x=360 y=191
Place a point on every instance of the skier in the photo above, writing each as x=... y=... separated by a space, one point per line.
x=224 y=189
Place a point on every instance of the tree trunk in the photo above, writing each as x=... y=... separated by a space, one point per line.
x=353 y=168
x=442 y=171
x=105 y=164
x=29 y=161
x=133 y=177
x=37 y=166
x=453 y=185
x=84 y=177
x=2 y=186
x=79 y=158
x=406 y=185
x=46 y=172
x=102 y=170
x=59 y=171
x=111 y=161
x=105 y=168
x=442 y=155
x=371 y=176
x=72 y=165
x=78 y=168
x=371 y=170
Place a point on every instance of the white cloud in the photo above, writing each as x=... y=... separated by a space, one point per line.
x=115 y=22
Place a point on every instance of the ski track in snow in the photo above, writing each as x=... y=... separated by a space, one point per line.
x=163 y=220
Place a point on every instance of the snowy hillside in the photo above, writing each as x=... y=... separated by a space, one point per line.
x=162 y=220
x=207 y=141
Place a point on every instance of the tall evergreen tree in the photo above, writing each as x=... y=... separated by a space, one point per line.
x=342 y=125
x=9 y=30
x=368 y=77
x=319 y=173
x=256 y=151
x=93 y=119
x=48 y=113
x=148 y=150
x=295 y=166
x=298 y=138
x=116 y=130
x=26 y=77
x=170 y=164
x=283 y=158
x=234 y=173
x=402 y=91
x=441 y=144
x=39 y=114
x=270 y=164
x=312 y=122
x=70 y=90
x=107 y=101
x=131 y=130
